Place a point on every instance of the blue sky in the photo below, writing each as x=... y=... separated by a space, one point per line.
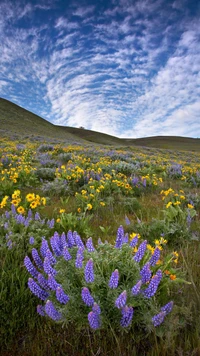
x=123 y=67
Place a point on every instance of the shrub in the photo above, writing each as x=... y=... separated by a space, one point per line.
x=107 y=286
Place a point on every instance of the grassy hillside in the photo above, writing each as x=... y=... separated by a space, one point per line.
x=167 y=142
x=18 y=122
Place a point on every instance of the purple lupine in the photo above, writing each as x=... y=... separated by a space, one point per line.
x=36 y=290
x=26 y=222
x=51 y=311
x=141 y=251
x=127 y=220
x=158 y=319
x=7 y=214
x=159 y=275
x=50 y=257
x=96 y=308
x=155 y=257
x=136 y=289
x=114 y=279
x=47 y=267
x=42 y=281
x=52 y=282
x=13 y=209
x=63 y=241
x=86 y=297
x=37 y=216
x=31 y=240
x=125 y=239
x=40 y=310
x=78 y=240
x=44 y=247
x=121 y=300
x=89 y=245
x=127 y=315
x=167 y=308
x=144 y=182
x=55 y=244
x=99 y=241
x=70 y=239
x=89 y=271
x=145 y=273
x=66 y=254
x=29 y=266
x=152 y=287
x=135 y=180
x=61 y=296
x=134 y=241
x=37 y=258
x=120 y=236
x=79 y=259
x=51 y=223
x=30 y=214
x=94 y=320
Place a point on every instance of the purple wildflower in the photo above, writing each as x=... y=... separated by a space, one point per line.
x=86 y=297
x=114 y=279
x=63 y=241
x=61 y=296
x=13 y=209
x=89 y=271
x=89 y=245
x=47 y=267
x=94 y=320
x=51 y=223
x=37 y=258
x=30 y=268
x=155 y=257
x=141 y=251
x=50 y=257
x=37 y=216
x=120 y=236
x=78 y=240
x=127 y=220
x=55 y=244
x=70 y=239
x=167 y=308
x=52 y=282
x=79 y=259
x=134 y=241
x=66 y=254
x=127 y=315
x=153 y=285
x=36 y=290
x=121 y=300
x=99 y=241
x=145 y=273
x=158 y=319
x=42 y=281
x=136 y=289
x=51 y=311
x=44 y=247
x=40 y=310
x=96 y=308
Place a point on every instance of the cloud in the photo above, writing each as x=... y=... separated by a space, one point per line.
x=121 y=69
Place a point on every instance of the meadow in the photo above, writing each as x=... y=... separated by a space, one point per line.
x=99 y=249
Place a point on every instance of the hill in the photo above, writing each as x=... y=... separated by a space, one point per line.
x=16 y=122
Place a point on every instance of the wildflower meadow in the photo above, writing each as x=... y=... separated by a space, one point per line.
x=100 y=250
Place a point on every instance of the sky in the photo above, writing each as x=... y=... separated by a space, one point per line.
x=128 y=68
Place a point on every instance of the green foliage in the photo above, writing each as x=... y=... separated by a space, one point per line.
x=80 y=223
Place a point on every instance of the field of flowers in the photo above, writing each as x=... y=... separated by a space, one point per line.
x=99 y=250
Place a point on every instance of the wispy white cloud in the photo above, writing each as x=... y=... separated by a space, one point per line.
x=122 y=70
